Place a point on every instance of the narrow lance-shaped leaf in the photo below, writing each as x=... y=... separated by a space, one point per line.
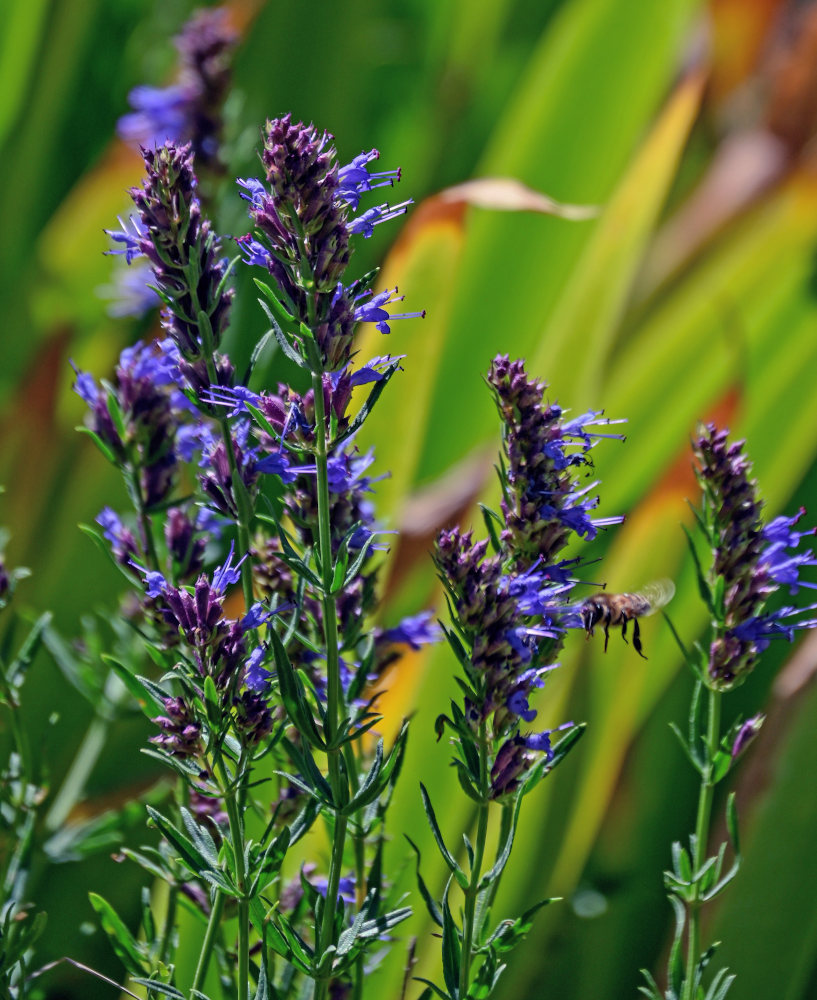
x=452 y=951
x=458 y=873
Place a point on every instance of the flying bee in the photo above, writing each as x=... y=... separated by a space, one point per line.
x=618 y=609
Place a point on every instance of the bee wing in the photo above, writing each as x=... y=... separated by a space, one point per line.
x=657 y=594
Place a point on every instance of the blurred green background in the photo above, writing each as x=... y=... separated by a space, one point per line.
x=691 y=124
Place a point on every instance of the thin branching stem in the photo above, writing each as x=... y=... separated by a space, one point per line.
x=229 y=792
x=471 y=893
x=145 y=525
x=702 y=837
x=213 y=924
x=334 y=693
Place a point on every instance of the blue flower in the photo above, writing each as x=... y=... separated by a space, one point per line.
x=255 y=676
x=364 y=224
x=542 y=743
x=346 y=888
x=543 y=504
x=227 y=574
x=131 y=291
x=517 y=701
x=354 y=179
x=85 y=387
x=416 y=631
x=159 y=114
x=346 y=472
x=255 y=617
x=255 y=253
x=373 y=371
x=155 y=583
x=374 y=310
x=781 y=565
x=131 y=236
x=121 y=538
x=254 y=192
x=758 y=630
x=277 y=463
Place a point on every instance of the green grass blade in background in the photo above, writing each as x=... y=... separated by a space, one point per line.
x=584 y=101
x=424 y=262
x=574 y=350
x=768 y=920
x=21 y=24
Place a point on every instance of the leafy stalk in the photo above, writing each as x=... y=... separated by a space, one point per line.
x=472 y=891
x=229 y=791
x=333 y=689
x=208 y=943
x=135 y=489
x=239 y=491
x=708 y=781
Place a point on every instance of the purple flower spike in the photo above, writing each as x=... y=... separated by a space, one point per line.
x=752 y=559
x=302 y=222
x=512 y=606
x=543 y=505
x=180 y=734
x=136 y=420
x=178 y=241
x=189 y=110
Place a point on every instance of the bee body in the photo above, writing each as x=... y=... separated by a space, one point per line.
x=618 y=609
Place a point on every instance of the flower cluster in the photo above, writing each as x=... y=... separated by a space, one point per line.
x=751 y=560
x=136 y=418
x=302 y=235
x=511 y=608
x=288 y=677
x=543 y=504
x=189 y=110
x=185 y=255
x=492 y=618
x=217 y=642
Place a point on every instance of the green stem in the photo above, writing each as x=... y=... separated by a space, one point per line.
x=359 y=845
x=17 y=862
x=237 y=838
x=207 y=944
x=705 y=797
x=144 y=519
x=169 y=922
x=334 y=693
x=506 y=819
x=472 y=891
x=244 y=515
x=24 y=752
x=239 y=490
x=93 y=743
